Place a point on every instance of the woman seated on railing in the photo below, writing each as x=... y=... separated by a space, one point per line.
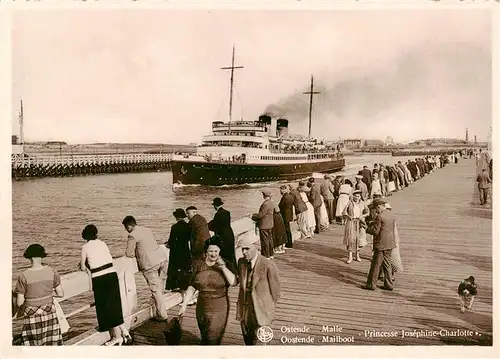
x=108 y=306
x=35 y=300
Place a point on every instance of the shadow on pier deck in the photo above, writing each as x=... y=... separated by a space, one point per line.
x=443 y=240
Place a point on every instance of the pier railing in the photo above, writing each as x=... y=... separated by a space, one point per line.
x=19 y=161
x=77 y=283
x=33 y=166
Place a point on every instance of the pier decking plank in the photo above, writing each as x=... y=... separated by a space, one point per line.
x=445 y=237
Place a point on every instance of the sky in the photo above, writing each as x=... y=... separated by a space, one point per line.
x=153 y=76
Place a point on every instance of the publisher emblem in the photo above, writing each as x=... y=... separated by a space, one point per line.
x=265 y=334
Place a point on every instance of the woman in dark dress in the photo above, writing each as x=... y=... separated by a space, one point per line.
x=279 y=231
x=212 y=278
x=179 y=263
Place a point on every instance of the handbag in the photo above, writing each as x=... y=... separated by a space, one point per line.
x=173 y=331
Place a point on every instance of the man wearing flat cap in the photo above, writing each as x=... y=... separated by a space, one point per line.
x=221 y=226
x=384 y=241
x=265 y=222
x=199 y=232
x=259 y=290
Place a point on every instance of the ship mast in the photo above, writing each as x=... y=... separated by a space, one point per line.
x=311 y=93
x=232 y=67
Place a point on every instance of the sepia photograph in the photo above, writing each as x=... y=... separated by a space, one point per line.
x=251 y=177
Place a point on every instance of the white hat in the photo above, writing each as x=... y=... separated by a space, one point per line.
x=247 y=239
x=388 y=206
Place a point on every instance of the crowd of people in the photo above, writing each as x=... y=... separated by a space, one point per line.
x=203 y=266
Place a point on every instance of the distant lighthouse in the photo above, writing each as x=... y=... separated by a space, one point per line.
x=467 y=135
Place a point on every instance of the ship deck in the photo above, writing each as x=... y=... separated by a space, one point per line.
x=445 y=236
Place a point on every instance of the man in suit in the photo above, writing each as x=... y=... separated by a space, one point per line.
x=286 y=209
x=265 y=222
x=367 y=177
x=384 y=241
x=151 y=261
x=327 y=191
x=199 y=232
x=361 y=186
x=483 y=184
x=336 y=185
x=221 y=226
x=301 y=212
x=259 y=290
x=315 y=199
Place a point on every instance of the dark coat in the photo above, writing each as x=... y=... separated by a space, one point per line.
x=179 y=263
x=266 y=214
x=382 y=229
x=315 y=196
x=221 y=226
x=199 y=234
x=286 y=206
x=298 y=203
x=367 y=176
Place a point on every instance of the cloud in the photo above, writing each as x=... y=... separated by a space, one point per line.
x=445 y=81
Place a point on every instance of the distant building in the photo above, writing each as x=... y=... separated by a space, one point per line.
x=373 y=143
x=389 y=140
x=467 y=135
x=15 y=140
x=352 y=143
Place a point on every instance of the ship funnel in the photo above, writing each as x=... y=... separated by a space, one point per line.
x=282 y=127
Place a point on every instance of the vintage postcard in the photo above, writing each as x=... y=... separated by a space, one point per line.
x=298 y=177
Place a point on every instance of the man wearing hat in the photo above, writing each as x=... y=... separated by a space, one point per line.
x=315 y=199
x=259 y=290
x=367 y=177
x=199 y=232
x=265 y=222
x=361 y=186
x=327 y=191
x=221 y=226
x=384 y=241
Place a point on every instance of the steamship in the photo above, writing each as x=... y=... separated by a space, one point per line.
x=242 y=152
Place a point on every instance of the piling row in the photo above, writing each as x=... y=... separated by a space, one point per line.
x=38 y=167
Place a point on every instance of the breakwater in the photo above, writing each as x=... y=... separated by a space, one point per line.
x=26 y=166
x=427 y=152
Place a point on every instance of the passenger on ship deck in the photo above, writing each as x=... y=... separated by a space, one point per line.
x=151 y=261
x=212 y=277
x=35 y=292
x=108 y=306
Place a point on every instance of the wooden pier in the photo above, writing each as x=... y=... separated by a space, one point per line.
x=445 y=237
x=26 y=166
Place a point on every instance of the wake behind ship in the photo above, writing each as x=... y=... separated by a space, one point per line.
x=239 y=152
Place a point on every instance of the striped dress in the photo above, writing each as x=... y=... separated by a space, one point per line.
x=40 y=326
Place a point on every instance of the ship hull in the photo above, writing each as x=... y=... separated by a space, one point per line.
x=219 y=174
